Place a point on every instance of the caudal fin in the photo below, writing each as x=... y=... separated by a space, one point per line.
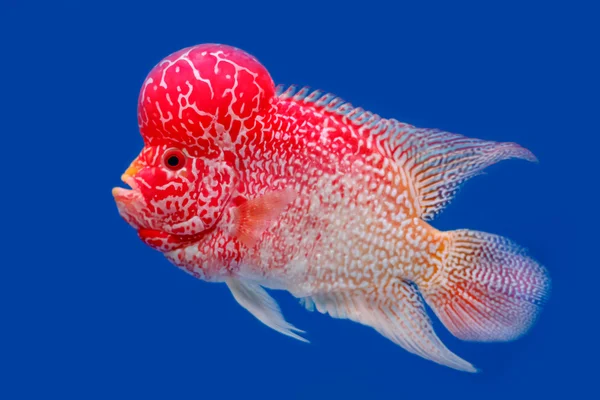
x=488 y=289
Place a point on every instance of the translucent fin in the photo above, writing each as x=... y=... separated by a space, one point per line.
x=257 y=301
x=401 y=318
x=255 y=216
x=438 y=162
x=489 y=290
x=326 y=102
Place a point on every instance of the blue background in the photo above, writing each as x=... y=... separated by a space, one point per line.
x=88 y=311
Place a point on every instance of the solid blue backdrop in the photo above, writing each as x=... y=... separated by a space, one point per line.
x=88 y=311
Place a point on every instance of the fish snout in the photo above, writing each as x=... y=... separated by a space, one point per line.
x=130 y=202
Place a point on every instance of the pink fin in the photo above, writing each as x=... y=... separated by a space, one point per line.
x=255 y=216
x=489 y=289
x=400 y=316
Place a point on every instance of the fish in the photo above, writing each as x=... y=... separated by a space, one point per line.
x=266 y=187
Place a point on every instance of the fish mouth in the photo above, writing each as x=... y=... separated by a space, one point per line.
x=126 y=194
x=130 y=201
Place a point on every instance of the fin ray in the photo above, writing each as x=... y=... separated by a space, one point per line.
x=489 y=289
x=256 y=215
x=257 y=301
x=402 y=319
x=438 y=162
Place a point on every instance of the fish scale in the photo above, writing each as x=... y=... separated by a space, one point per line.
x=283 y=241
x=292 y=188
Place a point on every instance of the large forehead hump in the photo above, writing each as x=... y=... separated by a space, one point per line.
x=195 y=94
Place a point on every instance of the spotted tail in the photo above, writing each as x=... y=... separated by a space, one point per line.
x=487 y=289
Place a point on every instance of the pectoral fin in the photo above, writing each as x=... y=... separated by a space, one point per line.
x=257 y=301
x=255 y=216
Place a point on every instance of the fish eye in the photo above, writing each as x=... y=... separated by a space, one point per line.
x=174 y=159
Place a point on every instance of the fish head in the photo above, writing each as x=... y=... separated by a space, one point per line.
x=194 y=111
x=174 y=192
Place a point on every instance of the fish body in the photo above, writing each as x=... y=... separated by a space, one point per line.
x=290 y=188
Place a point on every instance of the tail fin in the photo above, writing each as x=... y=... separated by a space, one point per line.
x=488 y=289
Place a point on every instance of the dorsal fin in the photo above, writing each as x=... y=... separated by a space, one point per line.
x=327 y=102
x=438 y=162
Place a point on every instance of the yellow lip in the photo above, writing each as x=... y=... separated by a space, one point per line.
x=133 y=169
x=127 y=178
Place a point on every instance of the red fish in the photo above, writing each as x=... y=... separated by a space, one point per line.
x=294 y=189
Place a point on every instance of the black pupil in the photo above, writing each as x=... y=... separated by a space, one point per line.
x=173 y=161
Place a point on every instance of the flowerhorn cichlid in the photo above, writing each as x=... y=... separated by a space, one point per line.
x=289 y=188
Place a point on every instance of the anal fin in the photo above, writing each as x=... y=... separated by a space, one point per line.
x=402 y=318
